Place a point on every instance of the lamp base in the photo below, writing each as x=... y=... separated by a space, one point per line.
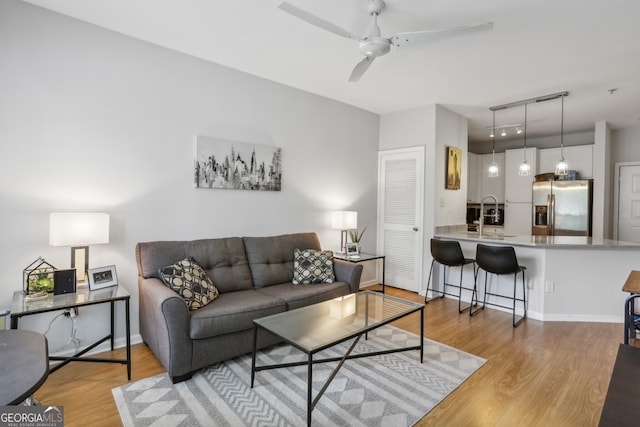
x=80 y=261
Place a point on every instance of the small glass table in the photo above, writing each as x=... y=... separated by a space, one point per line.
x=363 y=257
x=21 y=307
x=319 y=326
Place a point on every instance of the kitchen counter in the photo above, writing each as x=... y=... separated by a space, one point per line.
x=569 y=278
x=574 y=242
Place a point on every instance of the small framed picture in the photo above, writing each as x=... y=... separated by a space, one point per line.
x=352 y=249
x=102 y=277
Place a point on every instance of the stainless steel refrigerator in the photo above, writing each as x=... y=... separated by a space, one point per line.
x=562 y=208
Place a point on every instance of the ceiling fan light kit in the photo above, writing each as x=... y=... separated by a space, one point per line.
x=372 y=44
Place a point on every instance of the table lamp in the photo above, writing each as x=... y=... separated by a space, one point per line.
x=79 y=230
x=344 y=221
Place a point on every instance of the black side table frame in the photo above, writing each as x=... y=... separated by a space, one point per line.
x=629 y=318
x=364 y=257
x=85 y=297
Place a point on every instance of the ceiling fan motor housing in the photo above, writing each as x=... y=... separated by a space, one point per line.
x=374 y=46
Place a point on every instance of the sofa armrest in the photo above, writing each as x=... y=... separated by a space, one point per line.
x=348 y=272
x=164 y=326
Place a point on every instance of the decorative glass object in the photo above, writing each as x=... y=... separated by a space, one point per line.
x=38 y=277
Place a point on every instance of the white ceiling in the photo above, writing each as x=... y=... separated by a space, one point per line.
x=536 y=48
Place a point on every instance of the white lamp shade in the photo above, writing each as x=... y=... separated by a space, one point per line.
x=71 y=229
x=344 y=220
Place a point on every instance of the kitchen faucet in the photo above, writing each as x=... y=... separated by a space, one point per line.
x=496 y=215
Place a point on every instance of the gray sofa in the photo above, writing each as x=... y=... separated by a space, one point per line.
x=254 y=277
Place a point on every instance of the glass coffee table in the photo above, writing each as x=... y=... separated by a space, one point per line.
x=319 y=326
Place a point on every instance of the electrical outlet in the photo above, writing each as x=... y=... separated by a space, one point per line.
x=530 y=283
x=549 y=286
x=442 y=202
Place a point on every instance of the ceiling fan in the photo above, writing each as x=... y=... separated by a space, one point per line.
x=372 y=44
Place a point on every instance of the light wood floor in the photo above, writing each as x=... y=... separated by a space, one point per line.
x=539 y=374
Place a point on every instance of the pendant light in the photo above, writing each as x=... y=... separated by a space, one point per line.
x=493 y=167
x=525 y=169
x=562 y=169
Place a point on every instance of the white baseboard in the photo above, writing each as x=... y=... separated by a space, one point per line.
x=553 y=317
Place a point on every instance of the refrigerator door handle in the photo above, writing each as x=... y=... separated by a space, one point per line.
x=552 y=214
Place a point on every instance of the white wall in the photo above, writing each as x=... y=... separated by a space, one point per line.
x=451 y=131
x=602 y=181
x=91 y=120
x=435 y=128
x=626 y=145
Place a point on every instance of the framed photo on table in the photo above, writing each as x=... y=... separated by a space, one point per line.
x=352 y=250
x=102 y=277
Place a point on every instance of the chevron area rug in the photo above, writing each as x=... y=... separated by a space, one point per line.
x=387 y=390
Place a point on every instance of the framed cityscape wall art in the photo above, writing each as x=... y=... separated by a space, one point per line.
x=454 y=168
x=226 y=164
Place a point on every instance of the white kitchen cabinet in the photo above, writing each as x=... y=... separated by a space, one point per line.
x=578 y=157
x=518 y=218
x=493 y=186
x=517 y=189
x=473 y=178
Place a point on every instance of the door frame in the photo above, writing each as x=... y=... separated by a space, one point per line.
x=616 y=193
x=420 y=189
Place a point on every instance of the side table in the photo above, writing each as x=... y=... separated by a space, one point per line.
x=632 y=285
x=363 y=257
x=83 y=297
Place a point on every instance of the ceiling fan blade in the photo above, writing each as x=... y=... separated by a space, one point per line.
x=405 y=39
x=361 y=68
x=315 y=20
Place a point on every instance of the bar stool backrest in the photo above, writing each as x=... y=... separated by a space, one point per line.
x=497 y=259
x=447 y=252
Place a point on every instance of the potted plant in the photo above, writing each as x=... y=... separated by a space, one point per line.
x=356 y=236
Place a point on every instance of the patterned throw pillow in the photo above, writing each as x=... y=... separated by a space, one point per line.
x=188 y=279
x=312 y=266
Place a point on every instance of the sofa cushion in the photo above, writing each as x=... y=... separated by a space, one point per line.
x=312 y=266
x=297 y=296
x=271 y=258
x=233 y=312
x=224 y=260
x=188 y=279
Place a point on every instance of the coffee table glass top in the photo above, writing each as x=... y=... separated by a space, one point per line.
x=321 y=325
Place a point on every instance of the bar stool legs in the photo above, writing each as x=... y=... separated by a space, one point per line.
x=448 y=254
x=499 y=260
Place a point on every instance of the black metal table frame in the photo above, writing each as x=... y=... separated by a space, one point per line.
x=78 y=356
x=311 y=402
x=629 y=316
x=368 y=257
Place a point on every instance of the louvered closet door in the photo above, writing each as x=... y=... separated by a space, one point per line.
x=400 y=215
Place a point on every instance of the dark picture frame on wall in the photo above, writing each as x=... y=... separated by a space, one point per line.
x=454 y=168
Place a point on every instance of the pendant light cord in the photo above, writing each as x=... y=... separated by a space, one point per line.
x=493 y=139
x=525 y=131
x=562 y=129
